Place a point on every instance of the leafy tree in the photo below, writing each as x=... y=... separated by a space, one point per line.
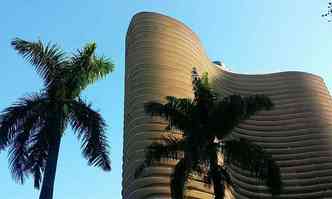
x=32 y=127
x=207 y=125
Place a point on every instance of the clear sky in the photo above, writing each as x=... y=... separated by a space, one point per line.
x=256 y=36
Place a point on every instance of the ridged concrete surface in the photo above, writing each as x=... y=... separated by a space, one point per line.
x=160 y=55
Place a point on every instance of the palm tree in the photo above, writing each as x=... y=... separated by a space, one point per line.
x=32 y=128
x=207 y=125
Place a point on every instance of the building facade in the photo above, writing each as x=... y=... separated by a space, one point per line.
x=160 y=55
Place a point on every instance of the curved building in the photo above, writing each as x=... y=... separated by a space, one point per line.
x=160 y=55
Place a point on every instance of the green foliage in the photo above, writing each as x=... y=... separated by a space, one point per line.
x=31 y=126
x=207 y=125
x=47 y=59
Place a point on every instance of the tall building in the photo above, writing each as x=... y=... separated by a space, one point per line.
x=160 y=55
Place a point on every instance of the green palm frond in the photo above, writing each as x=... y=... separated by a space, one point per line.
x=100 y=67
x=46 y=58
x=232 y=110
x=14 y=118
x=86 y=67
x=91 y=130
x=176 y=111
x=253 y=158
x=168 y=148
x=179 y=178
x=83 y=57
x=203 y=93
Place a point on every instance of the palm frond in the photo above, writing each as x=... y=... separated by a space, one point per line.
x=18 y=156
x=234 y=109
x=168 y=148
x=37 y=162
x=176 y=111
x=13 y=119
x=46 y=58
x=87 y=68
x=38 y=153
x=255 y=103
x=83 y=57
x=100 y=67
x=37 y=172
x=19 y=152
x=253 y=158
x=203 y=93
x=179 y=178
x=91 y=130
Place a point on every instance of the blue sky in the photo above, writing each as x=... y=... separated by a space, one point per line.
x=255 y=36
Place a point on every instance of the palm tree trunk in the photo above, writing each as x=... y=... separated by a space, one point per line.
x=50 y=170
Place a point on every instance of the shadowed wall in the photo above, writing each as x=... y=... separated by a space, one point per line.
x=160 y=55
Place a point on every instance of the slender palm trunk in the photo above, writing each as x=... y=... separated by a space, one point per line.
x=218 y=184
x=50 y=170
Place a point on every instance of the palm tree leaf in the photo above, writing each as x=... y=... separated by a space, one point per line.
x=19 y=152
x=176 y=111
x=168 y=148
x=253 y=158
x=38 y=152
x=18 y=157
x=91 y=130
x=46 y=58
x=234 y=109
x=100 y=67
x=179 y=178
x=37 y=172
x=37 y=161
x=14 y=119
x=203 y=93
x=86 y=67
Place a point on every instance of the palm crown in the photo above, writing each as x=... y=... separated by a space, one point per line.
x=33 y=126
x=207 y=125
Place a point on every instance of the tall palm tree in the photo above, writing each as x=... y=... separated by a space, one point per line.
x=32 y=127
x=207 y=125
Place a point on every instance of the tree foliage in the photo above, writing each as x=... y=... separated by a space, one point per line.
x=32 y=126
x=207 y=124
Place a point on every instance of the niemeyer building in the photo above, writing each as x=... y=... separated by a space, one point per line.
x=160 y=55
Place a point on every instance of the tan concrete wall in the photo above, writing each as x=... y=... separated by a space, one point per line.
x=160 y=55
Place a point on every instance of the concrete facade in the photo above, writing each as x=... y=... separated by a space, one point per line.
x=160 y=55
